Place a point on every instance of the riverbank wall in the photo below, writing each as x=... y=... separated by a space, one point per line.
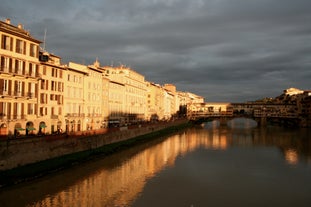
x=24 y=158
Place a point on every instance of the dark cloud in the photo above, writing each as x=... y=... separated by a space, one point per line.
x=224 y=50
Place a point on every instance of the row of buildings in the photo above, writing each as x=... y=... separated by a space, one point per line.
x=39 y=94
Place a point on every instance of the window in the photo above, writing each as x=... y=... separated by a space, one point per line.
x=19 y=66
x=52 y=85
x=5 y=85
x=33 y=50
x=4 y=63
x=18 y=86
x=42 y=84
x=7 y=43
x=30 y=109
x=19 y=46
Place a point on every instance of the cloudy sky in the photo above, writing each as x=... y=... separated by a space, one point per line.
x=224 y=50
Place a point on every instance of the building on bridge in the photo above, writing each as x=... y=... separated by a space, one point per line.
x=197 y=110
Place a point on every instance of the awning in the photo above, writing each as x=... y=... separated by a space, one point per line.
x=19 y=129
x=42 y=126
x=31 y=128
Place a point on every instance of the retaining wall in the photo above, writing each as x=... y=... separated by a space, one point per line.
x=23 y=151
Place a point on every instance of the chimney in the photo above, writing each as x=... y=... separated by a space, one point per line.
x=8 y=21
x=20 y=26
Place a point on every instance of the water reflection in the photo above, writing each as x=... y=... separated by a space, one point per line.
x=119 y=179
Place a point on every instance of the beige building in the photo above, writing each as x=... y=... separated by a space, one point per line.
x=127 y=95
x=116 y=96
x=51 y=94
x=19 y=75
x=155 y=102
x=74 y=102
x=173 y=101
x=93 y=96
x=39 y=95
x=104 y=93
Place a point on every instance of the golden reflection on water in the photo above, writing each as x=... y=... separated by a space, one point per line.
x=291 y=156
x=120 y=185
x=119 y=179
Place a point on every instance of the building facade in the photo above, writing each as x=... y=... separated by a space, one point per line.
x=19 y=77
x=40 y=95
x=50 y=94
x=74 y=102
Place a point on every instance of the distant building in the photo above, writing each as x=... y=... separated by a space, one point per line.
x=155 y=102
x=127 y=95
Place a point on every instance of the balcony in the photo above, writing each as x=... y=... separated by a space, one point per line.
x=75 y=115
x=4 y=69
x=4 y=93
x=54 y=116
x=19 y=116
x=17 y=94
x=30 y=95
x=3 y=117
x=18 y=73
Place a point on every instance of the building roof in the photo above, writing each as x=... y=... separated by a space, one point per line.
x=17 y=31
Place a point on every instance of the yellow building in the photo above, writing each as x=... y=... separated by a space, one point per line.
x=39 y=95
x=116 y=96
x=127 y=95
x=19 y=75
x=51 y=94
x=105 y=94
x=174 y=102
x=93 y=96
x=155 y=102
x=74 y=97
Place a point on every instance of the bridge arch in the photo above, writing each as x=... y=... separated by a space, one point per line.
x=229 y=120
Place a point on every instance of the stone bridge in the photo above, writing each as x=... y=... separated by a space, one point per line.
x=285 y=114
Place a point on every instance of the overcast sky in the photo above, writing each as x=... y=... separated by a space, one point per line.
x=223 y=50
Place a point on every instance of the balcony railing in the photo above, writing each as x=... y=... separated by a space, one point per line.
x=4 y=93
x=75 y=115
x=13 y=71
x=18 y=93
x=54 y=116
x=30 y=95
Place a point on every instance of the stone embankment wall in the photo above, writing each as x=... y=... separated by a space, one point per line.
x=22 y=151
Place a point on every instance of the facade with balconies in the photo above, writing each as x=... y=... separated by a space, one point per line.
x=51 y=94
x=19 y=77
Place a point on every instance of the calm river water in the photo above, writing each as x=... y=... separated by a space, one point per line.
x=209 y=165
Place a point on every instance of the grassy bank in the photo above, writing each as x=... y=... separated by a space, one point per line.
x=39 y=169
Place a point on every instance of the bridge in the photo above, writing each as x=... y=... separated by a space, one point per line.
x=260 y=112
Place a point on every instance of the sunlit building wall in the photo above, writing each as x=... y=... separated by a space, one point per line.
x=116 y=96
x=93 y=97
x=19 y=75
x=74 y=100
x=127 y=95
x=51 y=95
x=135 y=95
x=171 y=89
x=155 y=102
x=105 y=101
x=168 y=104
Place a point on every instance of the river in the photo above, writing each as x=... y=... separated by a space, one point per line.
x=208 y=165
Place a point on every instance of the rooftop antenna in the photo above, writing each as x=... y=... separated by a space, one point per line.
x=45 y=30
